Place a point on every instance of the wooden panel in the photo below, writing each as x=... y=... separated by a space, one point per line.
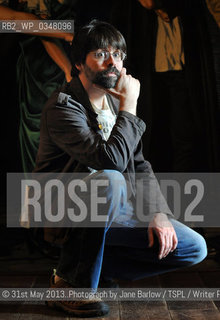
x=9 y=311
x=39 y=311
x=195 y=315
x=181 y=280
x=131 y=310
x=210 y=279
x=9 y=316
x=151 y=282
x=189 y=305
x=157 y=310
x=139 y=310
x=16 y=281
x=37 y=273
x=114 y=313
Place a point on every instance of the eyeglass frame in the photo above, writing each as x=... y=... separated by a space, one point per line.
x=123 y=55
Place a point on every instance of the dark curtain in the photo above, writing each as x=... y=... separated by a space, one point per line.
x=139 y=27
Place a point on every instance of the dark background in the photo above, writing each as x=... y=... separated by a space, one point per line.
x=10 y=115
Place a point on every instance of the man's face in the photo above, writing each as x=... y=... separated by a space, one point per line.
x=103 y=67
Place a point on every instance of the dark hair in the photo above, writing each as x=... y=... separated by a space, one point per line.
x=95 y=35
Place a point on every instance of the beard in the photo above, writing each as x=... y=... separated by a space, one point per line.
x=101 y=78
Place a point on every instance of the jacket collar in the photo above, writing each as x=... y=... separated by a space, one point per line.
x=77 y=91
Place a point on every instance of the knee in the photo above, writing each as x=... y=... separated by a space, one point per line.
x=198 y=250
x=116 y=180
x=112 y=174
x=191 y=248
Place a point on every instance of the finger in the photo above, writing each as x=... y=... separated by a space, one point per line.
x=113 y=92
x=175 y=241
x=168 y=244
x=165 y=251
x=162 y=245
x=123 y=71
x=150 y=237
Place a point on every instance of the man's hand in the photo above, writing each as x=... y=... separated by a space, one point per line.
x=163 y=15
x=163 y=228
x=127 y=90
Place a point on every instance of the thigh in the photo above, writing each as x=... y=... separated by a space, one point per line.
x=190 y=242
x=127 y=255
x=126 y=239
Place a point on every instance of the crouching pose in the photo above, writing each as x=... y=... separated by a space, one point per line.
x=90 y=125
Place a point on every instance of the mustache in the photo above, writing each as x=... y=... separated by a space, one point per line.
x=110 y=69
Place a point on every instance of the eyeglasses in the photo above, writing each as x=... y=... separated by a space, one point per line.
x=103 y=55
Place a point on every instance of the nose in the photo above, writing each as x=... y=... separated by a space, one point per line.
x=111 y=61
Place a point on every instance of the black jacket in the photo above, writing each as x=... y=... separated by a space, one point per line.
x=71 y=141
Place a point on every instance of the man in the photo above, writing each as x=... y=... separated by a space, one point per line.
x=84 y=129
x=170 y=52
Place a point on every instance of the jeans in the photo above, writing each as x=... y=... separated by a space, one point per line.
x=119 y=249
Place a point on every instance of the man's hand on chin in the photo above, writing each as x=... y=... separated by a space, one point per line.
x=127 y=90
x=164 y=230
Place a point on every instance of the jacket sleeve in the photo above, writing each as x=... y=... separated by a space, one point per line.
x=70 y=128
x=154 y=201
